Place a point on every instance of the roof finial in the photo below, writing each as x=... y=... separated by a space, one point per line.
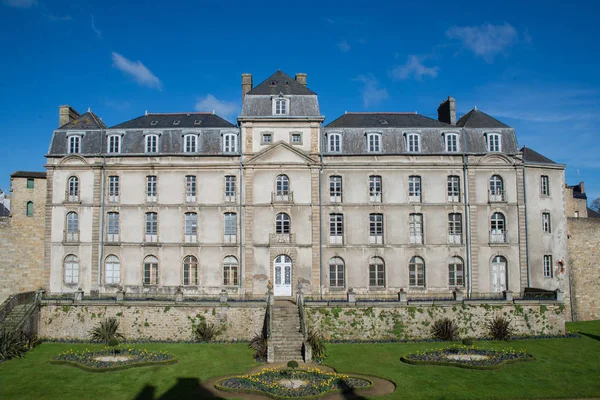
x=213 y=111
x=89 y=109
x=475 y=108
x=146 y=112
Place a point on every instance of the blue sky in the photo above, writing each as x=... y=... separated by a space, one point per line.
x=534 y=65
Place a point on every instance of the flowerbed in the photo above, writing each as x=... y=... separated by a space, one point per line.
x=287 y=383
x=467 y=357
x=107 y=360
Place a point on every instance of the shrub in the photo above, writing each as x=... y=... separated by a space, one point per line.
x=30 y=339
x=317 y=344
x=293 y=364
x=444 y=329
x=259 y=344
x=499 y=328
x=467 y=341
x=11 y=345
x=107 y=331
x=206 y=332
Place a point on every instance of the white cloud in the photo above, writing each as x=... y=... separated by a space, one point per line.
x=486 y=41
x=344 y=46
x=222 y=108
x=371 y=92
x=136 y=70
x=20 y=3
x=97 y=31
x=414 y=68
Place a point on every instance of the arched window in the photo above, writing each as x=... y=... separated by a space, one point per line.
x=496 y=188
x=499 y=274
x=280 y=106
x=230 y=271
x=71 y=269
x=282 y=223
x=336 y=272
x=112 y=270
x=376 y=272
x=151 y=143
x=334 y=142
x=416 y=272
x=413 y=143
x=150 y=270
x=374 y=142
x=456 y=272
x=282 y=185
x=29 y=209
x=72 y=227
x=190 y=143
x=190 y=271
x=73 y=189
x=498 y=228
x=451 y=142
x=229 y=143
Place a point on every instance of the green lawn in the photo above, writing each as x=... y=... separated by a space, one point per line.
x=567 y=368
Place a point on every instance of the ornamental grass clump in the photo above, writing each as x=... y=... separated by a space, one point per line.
x=500 y=329
x=317 y=344
x=12 y=345
x=259 y=344
x=206 y=332
x=444 y=329
x=107 y=331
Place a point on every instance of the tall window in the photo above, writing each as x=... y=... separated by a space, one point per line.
x=151 y=191
x=74 y=144
x=414 y=188
x=544 y=185
x=72 y=227
x=30 y=183
x=150 y=270
x=190 y=188
x=114 y=144
x=498 y=228
x=375 y=188
x=496 y=188
x=376 y=273
x=29 y=209
x=151 y=143
x=282 y=188
x=113 y=188
x=190 y=271
x=151 y=227
x=456 y=275
x=374 y=142
x=230 y=271
x=415 y=228
x=336 y=228
x=416 y=272
x=73 y=189
x=280 y=106
x=282 y=223
x=453 y=188
x=494 y=142
x=112 y=227
x=191 y=227
x=112 y=270
x=336 y=272
x=413 y=143
x=335 y=189
x=451 y=142
x=71 y=269
x=546 y=223
x=547 y=266
x=375 y=228
x=334 y=142
x=190 y=143
x=230 y=230
x=230 y=188
x=454 y=228
x=229 y=143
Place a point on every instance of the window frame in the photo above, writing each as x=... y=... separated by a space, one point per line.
x=231 y=276
x=374 y=144
x=74 y=141
x=416 y=231
x=230 y=144
x=230 y=188
x=451 y=142
x=548 y=266
x=415 y=189
x=337 y=268
x=377 y=273
x=455 y=228
x=283 y=224
x=190 y=143
x=113 y=188
x=336 y=228
x=417 y=273
x=376 y=228
x=112 y=226
x=335 y=188
x=453 y=188
x=71 y=263
x=493 y=142
x=190 y=270
x=150 y=273
x=72 y=227
x=375 y=188
x=151 y=188
x=73 y=188
x=151 y=143
x=112 y=276
x=151 y=226
x=413 y=142
x=264 y=136
x=29 y=209
x=453 y=272
x=191 y=188
x=111 y=140
x=190 y=227
x=230 y=227
x=546 y=222
x=334 y=142
x=281 y=106
x=544 y=185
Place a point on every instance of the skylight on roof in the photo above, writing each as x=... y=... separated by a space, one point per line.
x=383 y=122
x=197 y=122
x=153 y=123
x=176 y=122
x=273 y=83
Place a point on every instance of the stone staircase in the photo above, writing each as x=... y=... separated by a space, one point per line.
x=286 y=336
x=15 y=317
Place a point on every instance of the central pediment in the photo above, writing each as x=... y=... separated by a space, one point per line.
x=280 y=153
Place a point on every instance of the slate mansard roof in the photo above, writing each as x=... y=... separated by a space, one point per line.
x=85 y=121
x=175 y=120
x=530 y=155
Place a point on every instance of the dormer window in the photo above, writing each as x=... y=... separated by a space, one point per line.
x=114 y=144
x=334 y=142
x=494 y=142
x=229 y=143
x=280 y=106
x=374 y=142
x=176 y=122
x=190 y=143
x=74 y=144
x=413 y=142
x=151 y=143
x=153 y=123
x=451 y=142
x=197 y=122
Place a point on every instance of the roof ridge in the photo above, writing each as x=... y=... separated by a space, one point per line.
x=383 y=112
x=183 y=112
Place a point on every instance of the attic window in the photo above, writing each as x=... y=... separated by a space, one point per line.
x=287 y=82
x=197 y=122
x=152 y=123
x=176 y=122
x=273 y=83
x=383 y=122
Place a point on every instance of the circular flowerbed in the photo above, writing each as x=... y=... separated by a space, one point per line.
x=106 y=359
x=468 y=357
x=298 y=383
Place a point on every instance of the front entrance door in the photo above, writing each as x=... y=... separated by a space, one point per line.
x=498 y=274
x=282 y=271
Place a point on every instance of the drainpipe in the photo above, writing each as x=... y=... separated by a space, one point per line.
x=320 y=226
x=240 y=207
x=467 y=219
x=103 y=178
x=526 y=226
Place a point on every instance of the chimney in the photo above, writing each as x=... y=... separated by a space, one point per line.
x=246 y=84
x=447 y=111
x=301 y=78
x=581 y=185
x=66 y=114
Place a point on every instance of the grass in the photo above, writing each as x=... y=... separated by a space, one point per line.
x=564 y=368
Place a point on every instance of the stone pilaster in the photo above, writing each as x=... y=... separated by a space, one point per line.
x=522 y=228
x=473 y=231
x=248 y=139
x=248 y=220
x=315 y=234
x=96 y=210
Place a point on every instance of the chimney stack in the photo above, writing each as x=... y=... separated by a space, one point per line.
x=246 y=84
x=66 y=114
x=301 y=78
x=447 y=111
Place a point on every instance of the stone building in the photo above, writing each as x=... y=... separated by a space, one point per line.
x=22 y=235
x=376 y=202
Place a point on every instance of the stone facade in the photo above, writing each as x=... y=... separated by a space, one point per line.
x=22 y=265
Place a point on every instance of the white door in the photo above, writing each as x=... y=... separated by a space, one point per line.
x=282 y=270
x=498 y=274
